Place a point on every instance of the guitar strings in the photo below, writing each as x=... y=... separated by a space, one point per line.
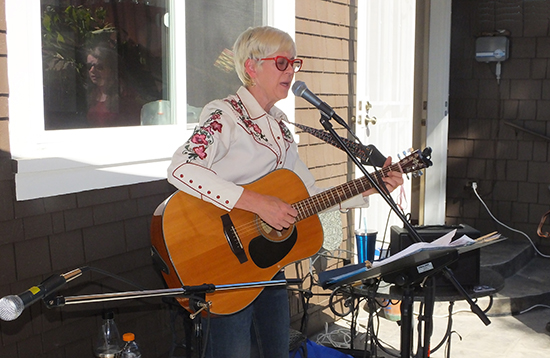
x=317 y=203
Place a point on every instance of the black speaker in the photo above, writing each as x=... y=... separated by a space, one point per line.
x=466 y=269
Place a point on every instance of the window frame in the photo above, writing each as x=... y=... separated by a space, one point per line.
x=49 y=162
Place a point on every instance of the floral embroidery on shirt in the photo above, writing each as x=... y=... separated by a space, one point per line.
x=286 y=132
x=254 y=129
x=202 y=137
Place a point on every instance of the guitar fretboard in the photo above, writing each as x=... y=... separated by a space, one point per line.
x=336 y=195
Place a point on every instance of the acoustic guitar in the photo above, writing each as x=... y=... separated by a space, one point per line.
x=199 y=243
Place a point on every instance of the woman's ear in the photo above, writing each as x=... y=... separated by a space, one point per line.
x=250 y=67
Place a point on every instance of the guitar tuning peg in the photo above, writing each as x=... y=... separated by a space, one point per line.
x=418 y=174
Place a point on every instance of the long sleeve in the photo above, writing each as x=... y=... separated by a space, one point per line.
x=235 y=143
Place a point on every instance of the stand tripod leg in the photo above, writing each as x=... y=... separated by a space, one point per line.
x=406 y=321
x=473 y=306
x=429 y=303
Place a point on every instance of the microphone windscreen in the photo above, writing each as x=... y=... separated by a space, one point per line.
x=11 y=307
x=298 y=88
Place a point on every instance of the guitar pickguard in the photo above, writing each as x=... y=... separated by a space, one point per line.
x=266 y=253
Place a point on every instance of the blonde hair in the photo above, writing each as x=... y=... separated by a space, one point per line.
x=259 y=42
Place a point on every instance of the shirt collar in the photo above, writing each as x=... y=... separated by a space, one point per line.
x=254 y=109
x=252 y=106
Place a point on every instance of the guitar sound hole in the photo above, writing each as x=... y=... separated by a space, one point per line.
x=270 y=233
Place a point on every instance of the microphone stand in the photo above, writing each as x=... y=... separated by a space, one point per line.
x=60 y=301
x=325 y=122
x=198 y=306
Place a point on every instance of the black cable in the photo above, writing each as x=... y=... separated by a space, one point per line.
x=490 y=305
x=379 y=342
x=447 y=335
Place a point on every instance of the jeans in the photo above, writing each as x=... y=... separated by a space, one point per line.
x=261 y=330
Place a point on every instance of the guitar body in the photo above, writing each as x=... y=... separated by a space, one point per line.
x=201 y=243
x=197 y=243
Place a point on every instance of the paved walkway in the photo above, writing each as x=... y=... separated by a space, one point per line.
x=519 y=336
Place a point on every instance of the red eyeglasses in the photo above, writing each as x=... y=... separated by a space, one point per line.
x=282 y=63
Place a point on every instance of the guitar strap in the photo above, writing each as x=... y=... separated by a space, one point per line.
x=360 y=151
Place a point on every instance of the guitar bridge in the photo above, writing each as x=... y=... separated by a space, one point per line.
x=233 y=238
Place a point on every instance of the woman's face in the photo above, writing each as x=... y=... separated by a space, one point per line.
x=96 y=70
x=271 y=84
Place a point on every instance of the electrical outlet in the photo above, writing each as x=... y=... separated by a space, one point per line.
x=470 y=185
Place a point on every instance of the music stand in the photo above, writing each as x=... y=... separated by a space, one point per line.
x=325 y=122
x=407 y=272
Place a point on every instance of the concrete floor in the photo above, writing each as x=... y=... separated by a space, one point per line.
x=518 y=336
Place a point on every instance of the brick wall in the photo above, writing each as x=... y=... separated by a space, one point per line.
x=510 y=166
x=323 y=41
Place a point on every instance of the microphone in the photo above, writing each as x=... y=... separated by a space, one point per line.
x=12 y=306
x=300 y=89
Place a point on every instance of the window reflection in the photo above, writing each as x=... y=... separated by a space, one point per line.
x=211 y=29
x=104 y=63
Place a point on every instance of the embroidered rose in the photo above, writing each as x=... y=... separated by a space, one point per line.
x=198 y=138
x=203 y=137
x=215 y=126
x=200 y=151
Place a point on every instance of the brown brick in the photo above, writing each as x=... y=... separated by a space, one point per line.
x=38 y=226
x=4 y=87
x=517 y=69
x=505 y=191
x=523 y=47
x=7 y=264
x=103 y=241
x=78 y=218
x=32 y=258
x=11 y=231
x=546 y=89
x=3 y=15
x=4 y=139
x=535 y=18
x=539 y=68
x=67 y=250
x=543 y=112
x=102 y=196
x=526 y=89
x=527 y=109
x=543 y=47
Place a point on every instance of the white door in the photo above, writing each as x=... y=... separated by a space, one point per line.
x=385 y=74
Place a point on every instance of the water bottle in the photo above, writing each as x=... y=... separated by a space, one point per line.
x=131 y=349
x=108 y=343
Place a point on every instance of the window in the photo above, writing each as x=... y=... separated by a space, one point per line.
x=167 y=59
x=104 y=63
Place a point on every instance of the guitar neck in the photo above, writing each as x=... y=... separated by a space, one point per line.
x=334 y=196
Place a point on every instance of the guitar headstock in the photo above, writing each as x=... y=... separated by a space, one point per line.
x=416 y=161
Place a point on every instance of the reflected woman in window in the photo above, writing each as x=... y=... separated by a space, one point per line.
x=110 y=102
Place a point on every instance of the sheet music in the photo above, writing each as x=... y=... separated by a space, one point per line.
x=357 y=272
x=443 y=242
